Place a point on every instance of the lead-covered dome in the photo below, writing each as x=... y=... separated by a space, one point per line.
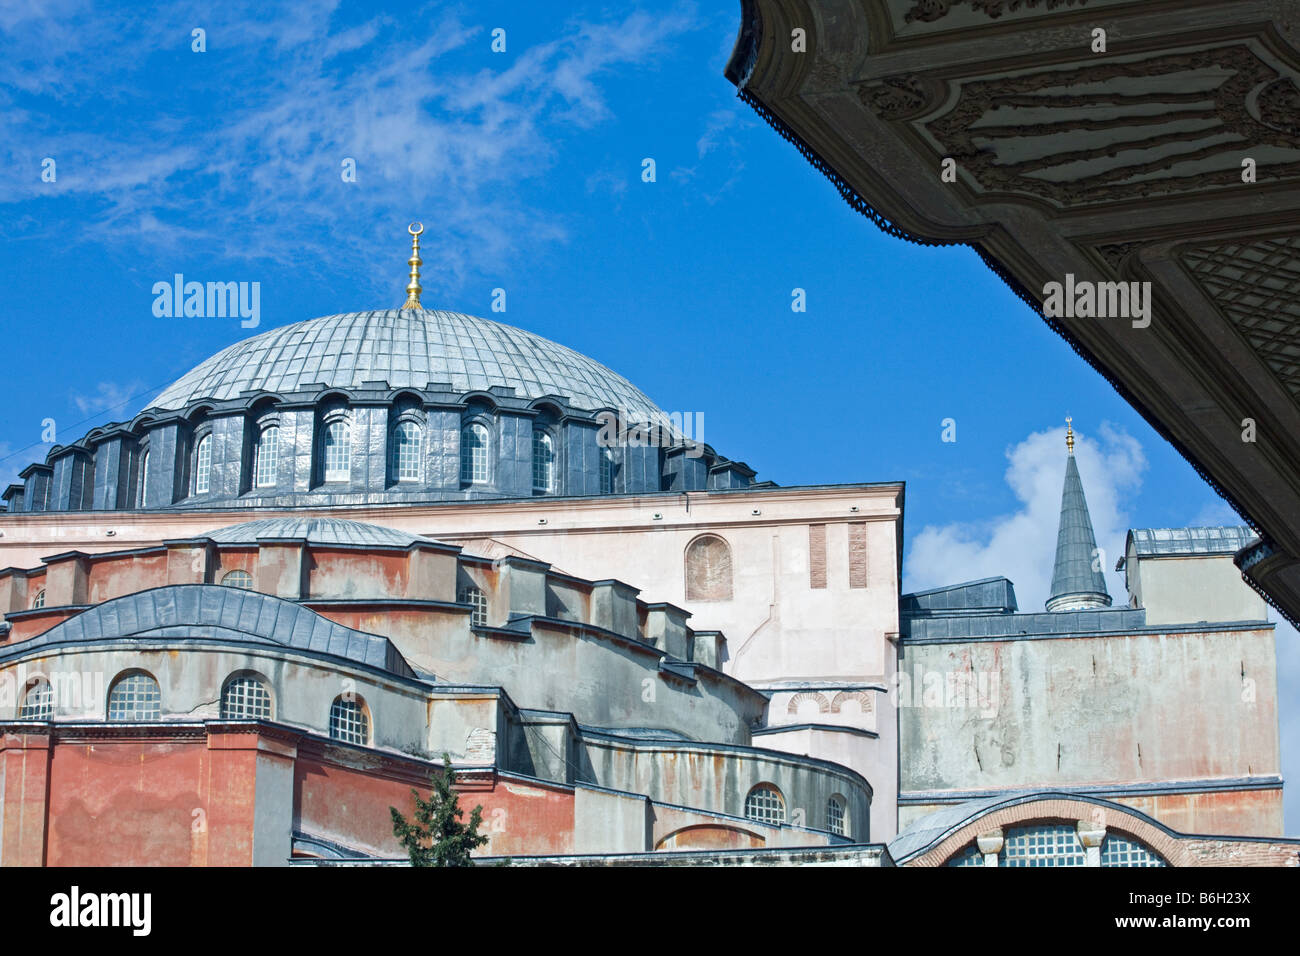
x=406 y=348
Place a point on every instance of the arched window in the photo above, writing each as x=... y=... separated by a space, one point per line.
x=835 y=821
x=39 y=602
x=349 y=721
x=1050 y=844
x=144 y=480
x=971 y=856
x=1120 y=850
x=237 y=579
x=266 y=457
x=406 y=452
x=245 y=697
x=134 y=696
x=543 y=461
x=474 y=454
x=337 y=454
x=203 y=465
x=708 y=569
x=606 y=472
x=477 y=601
x=38 y=701
x=765 y=805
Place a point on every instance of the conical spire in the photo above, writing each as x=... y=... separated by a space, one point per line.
x=1077 y=578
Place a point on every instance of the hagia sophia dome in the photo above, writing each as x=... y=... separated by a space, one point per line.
x=406 y=348
x=358 y=408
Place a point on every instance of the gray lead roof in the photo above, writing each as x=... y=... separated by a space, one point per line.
x=315 y=531
x=214 y=612
x=406 y=349
x=1077 y=570
x=1219 y=540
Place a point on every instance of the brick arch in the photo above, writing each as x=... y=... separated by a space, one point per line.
x=861 y=696
x=1052 y=809
x=823 y=705
x=711 y=836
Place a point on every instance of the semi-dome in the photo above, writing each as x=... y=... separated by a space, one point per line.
x=406 y=348
x=320 y=531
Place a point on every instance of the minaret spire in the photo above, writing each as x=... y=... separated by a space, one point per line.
x=1078 y=582
x=413 y=289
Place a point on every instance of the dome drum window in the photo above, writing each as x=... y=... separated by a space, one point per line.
x=336 y=452
x=406 y=451
x=835 y=817
x=543 y=462
x=250 y=411
x=245 y=697
x=134 y=697
x=474 y=454
x=144 y=480
x=203 y=465
x=38 y=701
x=606 y=472
x=765 y=805
x=349 y=721
x=266 y=457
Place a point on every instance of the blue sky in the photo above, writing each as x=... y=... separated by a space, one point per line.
x=525 y=167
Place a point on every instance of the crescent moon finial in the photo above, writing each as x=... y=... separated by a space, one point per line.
x=413 y=287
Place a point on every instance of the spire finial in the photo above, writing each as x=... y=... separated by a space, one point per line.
x=413 y=287
x=1069 y=435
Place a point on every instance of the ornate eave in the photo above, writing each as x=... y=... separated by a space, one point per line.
x=1116 y=166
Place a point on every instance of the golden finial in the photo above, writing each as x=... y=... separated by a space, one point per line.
x=413 y=287
x=1069 y=435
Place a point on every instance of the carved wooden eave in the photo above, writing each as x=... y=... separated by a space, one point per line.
x=1117 y=166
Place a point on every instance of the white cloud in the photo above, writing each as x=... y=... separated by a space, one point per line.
x=108 y=397
x=1022 y=545
x=440 y=138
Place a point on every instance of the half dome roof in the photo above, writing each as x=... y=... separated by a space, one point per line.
x=321 y=531
x=406 y=348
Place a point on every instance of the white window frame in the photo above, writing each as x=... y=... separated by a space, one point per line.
x=837 y=816
x=543 y=461
x=38 y=701
x=606 y=471
x=475 y=454
x=473 y=596
x=246 y=697
x=144 y=479
x=266 y=457
x=336 y=465
x=240 y=575
x=765 y=804
x=407 y=450
x=203 y=465
x=143 y=698
x=349 y=725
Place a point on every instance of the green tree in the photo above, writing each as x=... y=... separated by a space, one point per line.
x=436 y=836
